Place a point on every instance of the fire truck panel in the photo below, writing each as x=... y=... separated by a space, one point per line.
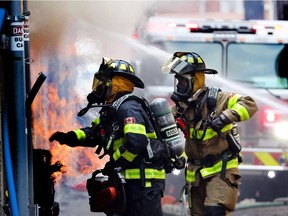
x=247 y=55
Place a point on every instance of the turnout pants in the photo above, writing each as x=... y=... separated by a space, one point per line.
x=214 y=192
x=143 y=201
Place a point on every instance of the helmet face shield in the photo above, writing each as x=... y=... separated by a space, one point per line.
x=102 y=75
x=175 y=65
x=99 y=91
x=100 y=85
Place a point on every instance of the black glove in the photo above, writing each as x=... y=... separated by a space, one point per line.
x=69 y=138
x=91 y=98
x=219 y=122
x=180 y=163
x=109 y=167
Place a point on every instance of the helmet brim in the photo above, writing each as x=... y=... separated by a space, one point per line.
x=208 y=71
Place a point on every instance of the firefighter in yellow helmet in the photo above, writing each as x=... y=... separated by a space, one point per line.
x=124 y=131
x=208 y=117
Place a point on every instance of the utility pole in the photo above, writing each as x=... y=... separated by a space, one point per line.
x=15 y=99
x=26 y=13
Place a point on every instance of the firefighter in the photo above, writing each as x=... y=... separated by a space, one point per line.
x=124 y=131
x=208 y=117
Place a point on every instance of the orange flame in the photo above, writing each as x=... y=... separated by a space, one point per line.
x=55 y=109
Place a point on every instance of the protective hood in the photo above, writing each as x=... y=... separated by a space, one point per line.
x=119 y=84
x=199 y=81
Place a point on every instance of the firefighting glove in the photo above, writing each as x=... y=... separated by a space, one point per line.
x=109 y=167
x=91 y=97
x=69 y=138
x=219 y=122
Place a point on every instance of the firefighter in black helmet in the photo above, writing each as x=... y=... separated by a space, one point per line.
x=207 y=117
x=125 y=135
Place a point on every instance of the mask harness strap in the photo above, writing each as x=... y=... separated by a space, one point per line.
x=198 y=109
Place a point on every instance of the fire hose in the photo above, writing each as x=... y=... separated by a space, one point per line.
x=8 y=166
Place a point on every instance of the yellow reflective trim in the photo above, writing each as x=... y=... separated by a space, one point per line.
x=152 y=135
x=131 y=69
x=129 y=156
x=190 y=59
x=126 y=154
x=80 y=134
x=210 y=133
x=116 y=155
x=199 y=60
x=149 y=173
x=217 y=167
x=108 y=83
x=134 y=128
x=148 y=184
x=123 y=67
x=190 y=176
x=118 y=143
x=96 y=121
x=241 y=110
x=232 y=101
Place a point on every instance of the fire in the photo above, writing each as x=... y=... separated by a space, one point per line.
x=54 y=109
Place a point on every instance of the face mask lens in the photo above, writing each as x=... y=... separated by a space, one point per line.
x=181 y=84
x=98 y=80
x=96 y=83
x=98 y=95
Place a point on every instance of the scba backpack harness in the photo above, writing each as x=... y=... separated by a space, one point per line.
x=167 y=147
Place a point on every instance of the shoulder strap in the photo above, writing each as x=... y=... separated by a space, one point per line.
x=116 y=104
x=212 y=98
x=126 y=97
x=144 y=103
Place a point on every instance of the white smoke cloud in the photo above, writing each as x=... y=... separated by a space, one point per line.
x=85 y=29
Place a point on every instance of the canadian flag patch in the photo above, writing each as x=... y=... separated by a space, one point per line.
x=129 y=120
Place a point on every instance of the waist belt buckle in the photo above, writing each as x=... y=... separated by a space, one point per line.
x=197 y=162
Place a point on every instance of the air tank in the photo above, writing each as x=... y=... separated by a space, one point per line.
x=167 y=127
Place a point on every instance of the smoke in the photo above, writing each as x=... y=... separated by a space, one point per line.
x=50 y=20
x=69 y=38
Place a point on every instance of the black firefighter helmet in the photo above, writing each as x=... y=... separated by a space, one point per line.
x=112 y=67
x=186 y=62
